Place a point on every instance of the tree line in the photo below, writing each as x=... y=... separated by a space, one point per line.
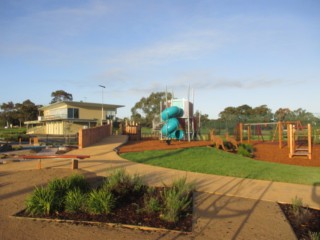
x=148 y=108
x=231 y=116
x=15 y=114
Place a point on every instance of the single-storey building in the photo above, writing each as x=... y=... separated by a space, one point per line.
x=67 y=117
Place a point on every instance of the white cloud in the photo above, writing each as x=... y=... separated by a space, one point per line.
x=183 y=46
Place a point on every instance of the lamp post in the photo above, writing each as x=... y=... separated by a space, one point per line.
x=102 y=87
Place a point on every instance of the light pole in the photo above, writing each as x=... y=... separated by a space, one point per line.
x=102 y=87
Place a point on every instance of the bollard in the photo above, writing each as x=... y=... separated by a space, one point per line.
x=39 y=164
x=74 y=164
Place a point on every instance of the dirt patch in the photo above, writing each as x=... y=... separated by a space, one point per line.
x=264 y=151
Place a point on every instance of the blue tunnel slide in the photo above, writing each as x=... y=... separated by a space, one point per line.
x=170 y=128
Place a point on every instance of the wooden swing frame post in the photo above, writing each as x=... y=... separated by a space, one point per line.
x=279 y=125
x=248 y=125
x=309 y=141
x=241 y=132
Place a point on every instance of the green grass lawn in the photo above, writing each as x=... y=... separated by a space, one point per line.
x=11 y=134
x=213 y=161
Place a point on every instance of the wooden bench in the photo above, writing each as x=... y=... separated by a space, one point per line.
x=74 y=159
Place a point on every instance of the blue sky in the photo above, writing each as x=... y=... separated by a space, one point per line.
x=230 y=52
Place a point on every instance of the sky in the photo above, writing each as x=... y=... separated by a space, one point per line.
x=229 y=52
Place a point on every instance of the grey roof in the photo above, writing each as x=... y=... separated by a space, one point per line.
x=82 y=104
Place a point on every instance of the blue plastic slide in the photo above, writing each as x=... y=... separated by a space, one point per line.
x=170 y=128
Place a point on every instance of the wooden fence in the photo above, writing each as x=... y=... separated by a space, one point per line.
x=90 y=136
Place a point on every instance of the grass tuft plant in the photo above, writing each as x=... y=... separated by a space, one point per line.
x=151 y=201
x=122 y=183
x=174 y=204
x=100 y=202
x=302 y=213
x=176 y=199
x=60 y=187
x=314 y=235
x=78 y=181
x=75 y=201
x=151 y=204
x=41 y=201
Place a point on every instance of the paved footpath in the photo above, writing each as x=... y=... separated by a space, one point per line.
x=217 y=195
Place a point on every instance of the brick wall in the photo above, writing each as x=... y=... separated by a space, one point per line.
x=90 y=136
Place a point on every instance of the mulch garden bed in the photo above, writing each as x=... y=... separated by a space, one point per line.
x=128 y=211
x=309 y=224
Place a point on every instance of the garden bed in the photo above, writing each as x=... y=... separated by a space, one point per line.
x=146 y=208
x=304 y=221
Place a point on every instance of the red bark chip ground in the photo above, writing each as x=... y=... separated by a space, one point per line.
x=264 y=151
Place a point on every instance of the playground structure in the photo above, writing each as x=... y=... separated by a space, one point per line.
x=170 y=129
x=132 y=129
x=177 y=120
x=293 y=131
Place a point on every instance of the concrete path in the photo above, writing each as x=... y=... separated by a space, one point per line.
x=104 y=158
x=217 y=195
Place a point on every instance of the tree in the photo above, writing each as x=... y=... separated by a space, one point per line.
x=282 y=114
x=7 y=113
x=26 y=111
x=239 y=114
x=262 y=114
x=61 y=95
x=228 y=113
x=16 y=114
x=146 y=109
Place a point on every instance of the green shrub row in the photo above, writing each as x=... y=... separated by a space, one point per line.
x=73 y=195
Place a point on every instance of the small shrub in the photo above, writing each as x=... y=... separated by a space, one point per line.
x=137 y=183
x=77 y=181
x=41 y=201
x=174 y=204
x=122 y=183
x=60 y=187
x=151 y=204
x=182 y=186
x=246 y=150
x=302 y=213
x=314 y=235
x=100 y=202
x=176 y=199
x=75 y=201
x=151 y=201
x=296 y=206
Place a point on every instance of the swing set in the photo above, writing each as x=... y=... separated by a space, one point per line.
x=298 y=136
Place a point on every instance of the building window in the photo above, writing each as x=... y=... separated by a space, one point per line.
x=73 y=113
x=110 y=114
